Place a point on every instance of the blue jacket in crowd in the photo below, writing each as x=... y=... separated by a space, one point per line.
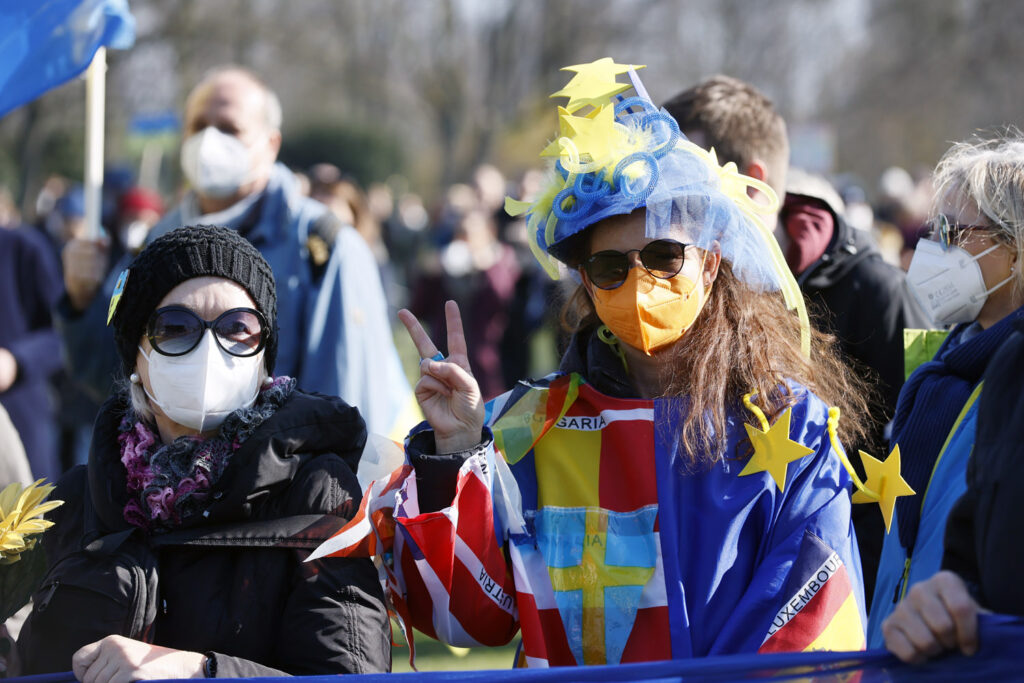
x=30 y=284
x=934 y=427
x=335 y=336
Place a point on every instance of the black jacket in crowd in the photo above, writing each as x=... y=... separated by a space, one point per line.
x=864 y=301
x=986 y=528
x=233 y=583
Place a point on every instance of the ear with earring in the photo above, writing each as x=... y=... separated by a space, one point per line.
x=268 y=380
x=134 y=378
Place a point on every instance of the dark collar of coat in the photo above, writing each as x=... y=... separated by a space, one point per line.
x=597 y=362
x=303 y=428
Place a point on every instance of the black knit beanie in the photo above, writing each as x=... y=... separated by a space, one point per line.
x=183 y=254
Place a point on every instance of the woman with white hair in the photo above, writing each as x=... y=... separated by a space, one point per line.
x=967 y=275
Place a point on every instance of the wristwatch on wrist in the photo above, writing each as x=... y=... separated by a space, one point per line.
x=210 y=665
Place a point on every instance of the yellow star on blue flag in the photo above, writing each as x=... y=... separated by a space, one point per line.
x=884 y=479
x=774 y=450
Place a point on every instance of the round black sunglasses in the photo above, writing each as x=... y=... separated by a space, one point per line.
x=609 y=269
x=176 y=330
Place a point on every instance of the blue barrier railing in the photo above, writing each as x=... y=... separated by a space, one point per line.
x=999 y=658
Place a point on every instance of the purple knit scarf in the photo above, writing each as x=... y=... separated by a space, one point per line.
x=169 y=483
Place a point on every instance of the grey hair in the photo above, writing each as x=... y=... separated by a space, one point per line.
x=989 y=173
x=137 y=396
x=273 y=118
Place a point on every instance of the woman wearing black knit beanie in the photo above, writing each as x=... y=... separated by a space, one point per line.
x=180 y=549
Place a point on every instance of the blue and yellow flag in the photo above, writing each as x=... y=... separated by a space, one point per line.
x=44 y=43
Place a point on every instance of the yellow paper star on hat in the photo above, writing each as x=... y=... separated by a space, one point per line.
x=604 y=69
x=564 y=130
x=774 y=450
x=884 y=478
x=593 y=135
x=594 y=83
x=585 y=90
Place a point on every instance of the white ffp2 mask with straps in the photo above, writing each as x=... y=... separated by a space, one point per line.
x=200 y=389
x=948 y=283
x=215 y=163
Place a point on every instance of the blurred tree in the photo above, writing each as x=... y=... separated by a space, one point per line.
x=63 y=153
x=454 y=82
x=368 y=155
x=928 y=74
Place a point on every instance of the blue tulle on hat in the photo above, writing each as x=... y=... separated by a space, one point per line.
x=623 y=154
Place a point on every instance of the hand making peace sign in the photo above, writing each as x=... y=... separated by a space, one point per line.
x=447 y=392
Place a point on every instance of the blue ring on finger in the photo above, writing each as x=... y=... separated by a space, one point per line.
x=437 y=356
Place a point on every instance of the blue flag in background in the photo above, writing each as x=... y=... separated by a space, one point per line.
x=44 y=43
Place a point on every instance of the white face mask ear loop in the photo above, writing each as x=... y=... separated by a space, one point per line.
x=142 y=384
x=707 y=287
x=711 y=278
x=979 y=255
x=135 y=379
x=989 y=291
x=703 y=265
x=974 y=298
x=151 y=397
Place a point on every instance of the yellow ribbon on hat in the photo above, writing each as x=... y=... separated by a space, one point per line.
x=517 y=207
x=734 y=185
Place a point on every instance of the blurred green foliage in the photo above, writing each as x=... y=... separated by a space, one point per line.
x=64 y=153
x=10 y=173
x=363 y=152
x=433 y=655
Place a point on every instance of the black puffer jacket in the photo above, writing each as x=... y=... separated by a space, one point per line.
x=985 y=527
x=233 y=583
x=864 y=301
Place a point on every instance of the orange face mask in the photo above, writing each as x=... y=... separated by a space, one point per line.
x=647 y=312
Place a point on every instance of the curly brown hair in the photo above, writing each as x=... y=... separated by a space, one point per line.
x=744 y=341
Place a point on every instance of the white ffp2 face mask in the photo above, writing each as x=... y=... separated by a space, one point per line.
x=200 y=389
x=948 y=282
x=215 y=163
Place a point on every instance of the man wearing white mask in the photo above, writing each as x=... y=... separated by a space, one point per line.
x=332 y=305
x=231 y=140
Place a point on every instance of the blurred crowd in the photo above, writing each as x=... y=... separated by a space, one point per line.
x=333 y=262
x=461 y=246
x=53 y=414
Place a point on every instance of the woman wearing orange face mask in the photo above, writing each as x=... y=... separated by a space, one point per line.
x=677 y=488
